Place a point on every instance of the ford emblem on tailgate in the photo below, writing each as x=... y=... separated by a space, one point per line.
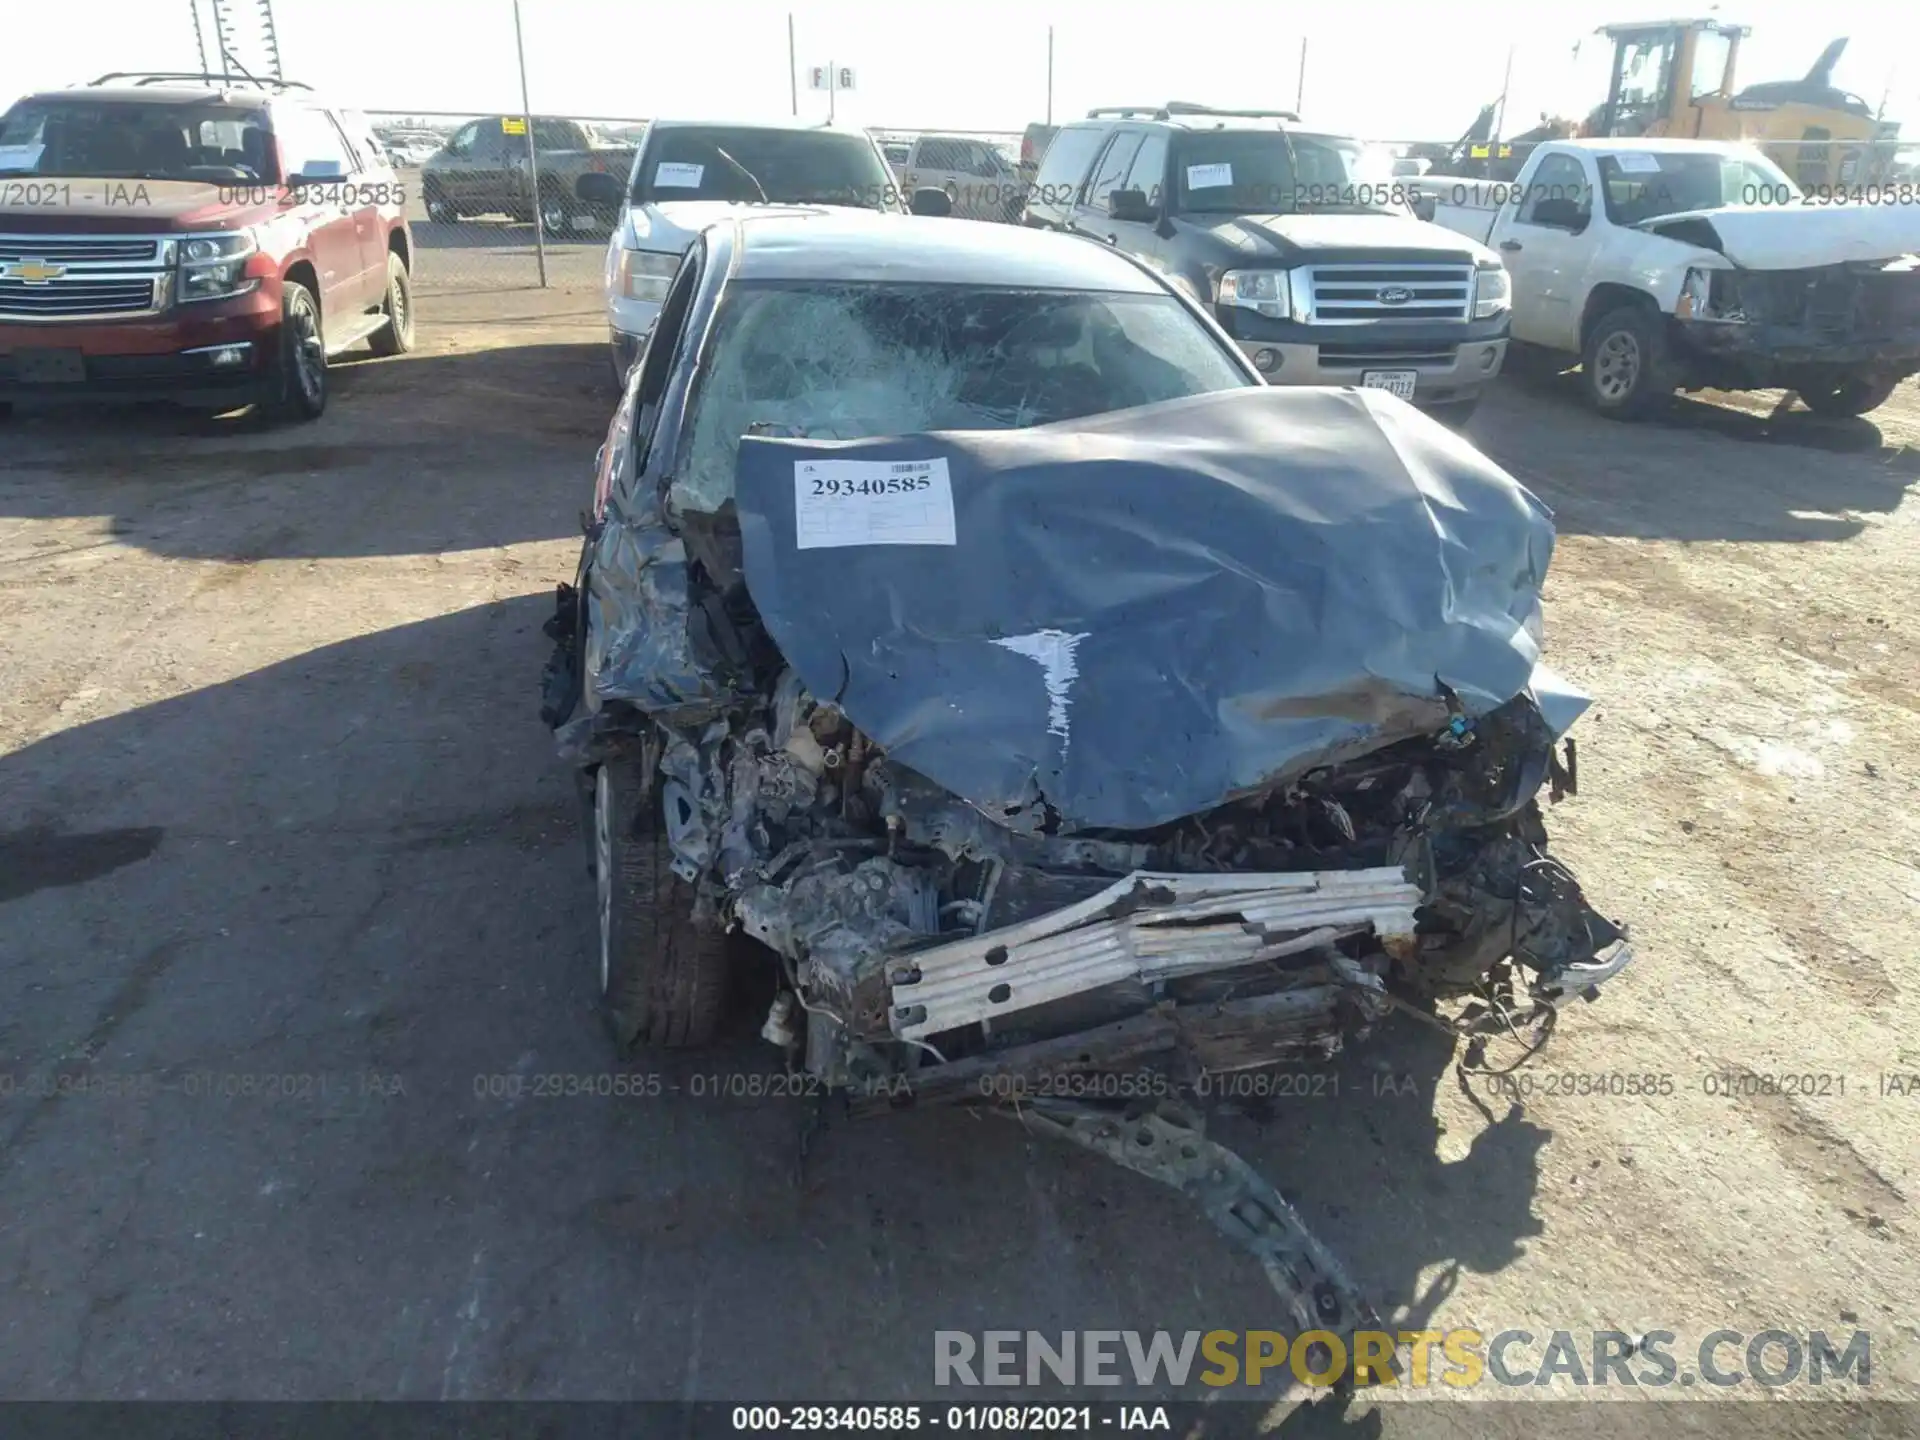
x=1395 y=295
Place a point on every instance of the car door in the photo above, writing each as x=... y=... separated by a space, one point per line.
x=1545 y=249
x=314 y=153
x=1091 y=216
x=449 y=168
x=934 y=166
x=376 y=197
x=1148 y=175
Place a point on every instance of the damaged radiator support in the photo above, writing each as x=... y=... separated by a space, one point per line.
x=1146 y=927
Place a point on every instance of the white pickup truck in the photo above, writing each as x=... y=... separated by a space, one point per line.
x=1694 y=264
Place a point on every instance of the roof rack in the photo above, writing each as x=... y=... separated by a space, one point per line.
x=164 y=77
x=1175 y=108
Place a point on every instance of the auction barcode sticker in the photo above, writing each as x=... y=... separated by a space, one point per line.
x=871 y=502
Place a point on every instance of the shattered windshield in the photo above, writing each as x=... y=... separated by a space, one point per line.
x=1269 y=172
x=136 y=140
x=746 y=164
x=842 y=362
x=1642 y=185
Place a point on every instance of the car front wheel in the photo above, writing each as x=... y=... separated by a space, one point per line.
x=301 y=369
x=1625 y=364
x=662 y=978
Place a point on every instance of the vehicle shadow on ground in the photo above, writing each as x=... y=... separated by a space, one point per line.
x=355 y=883
x=419 y=454
x=1702 y=471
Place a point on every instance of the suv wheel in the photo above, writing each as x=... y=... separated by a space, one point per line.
x=302 y=363
x=662 y=978
x=396 y=336
x=1853 y=395
x=439 y=209
x=556 y=215
x=1625 y=363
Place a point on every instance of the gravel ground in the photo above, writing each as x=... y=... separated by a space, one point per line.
x=294 y=915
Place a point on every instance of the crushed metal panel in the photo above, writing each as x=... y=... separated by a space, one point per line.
x=1294 y=576
x=1145 y=927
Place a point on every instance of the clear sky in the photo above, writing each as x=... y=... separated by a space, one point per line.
x=1387 y=69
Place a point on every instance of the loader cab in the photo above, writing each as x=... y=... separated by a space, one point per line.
x=1662 y=71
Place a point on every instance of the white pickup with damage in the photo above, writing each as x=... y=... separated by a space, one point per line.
x=1146 y=927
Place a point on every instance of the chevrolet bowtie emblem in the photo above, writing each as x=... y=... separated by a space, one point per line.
x=34 y=272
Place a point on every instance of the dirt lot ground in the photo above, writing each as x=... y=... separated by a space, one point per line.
x=293 y=913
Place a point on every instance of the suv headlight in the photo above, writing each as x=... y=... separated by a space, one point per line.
x=1265 y=292
x=645 y=274
x=1492 y=292
x=214 y=267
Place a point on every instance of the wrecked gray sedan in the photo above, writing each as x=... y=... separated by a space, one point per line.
x=962 y=620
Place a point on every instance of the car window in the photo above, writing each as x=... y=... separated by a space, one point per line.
x=842 y=361
x=1149 y=171
x=1112 y=169
x=748 y=164
x=1560 y=179
x=463 y=138
x=310 y=144
x=136 y=140
x=1643 y=185
x=1069 y=155
x=368 y=149
x=559 y=135
x=1264 y=172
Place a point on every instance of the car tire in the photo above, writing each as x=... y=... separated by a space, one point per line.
x=1455 y=413
x=1853 y=395
x=440 y=210
x=556 y=214
x=396 y=336
x=1625 y=364
x=662 y=978
x=300 y=368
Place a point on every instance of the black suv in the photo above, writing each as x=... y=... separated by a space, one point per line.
x=1303 y=243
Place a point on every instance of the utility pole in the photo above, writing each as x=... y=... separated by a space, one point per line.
x=793 y=68
x=533 y=154
x=1500 y=115
x=1049 y=74
x=272 y=37
x=1300 y=90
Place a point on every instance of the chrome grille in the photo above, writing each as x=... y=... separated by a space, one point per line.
x=81 y=249
x=67 y=299
x=1352 y=293
x=103 y=275
x=1370 y=357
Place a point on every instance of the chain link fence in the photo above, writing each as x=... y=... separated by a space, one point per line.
x=488 y=215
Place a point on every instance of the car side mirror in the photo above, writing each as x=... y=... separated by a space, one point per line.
x=1132 y=205
x=317 y=172
x=1424 y=207
x=929 y=201
x=597 y=187
x=1561 y=214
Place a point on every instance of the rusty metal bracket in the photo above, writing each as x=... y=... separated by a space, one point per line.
x=1167 y=1144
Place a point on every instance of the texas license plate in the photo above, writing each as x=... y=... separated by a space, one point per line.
x=49 y=367
x=1400 y=382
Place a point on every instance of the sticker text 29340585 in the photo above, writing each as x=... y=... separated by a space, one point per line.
x=871 y=502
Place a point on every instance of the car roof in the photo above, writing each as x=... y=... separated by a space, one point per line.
x=799 y=126
x=912 y=249
x=1655 y=145
x=238 y=94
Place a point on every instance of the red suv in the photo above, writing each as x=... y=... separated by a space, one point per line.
x=197 y=238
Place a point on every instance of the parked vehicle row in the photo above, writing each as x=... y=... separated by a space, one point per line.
x=185 y=237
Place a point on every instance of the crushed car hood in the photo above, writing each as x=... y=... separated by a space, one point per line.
x=1797 y=237
x=1123 y=620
